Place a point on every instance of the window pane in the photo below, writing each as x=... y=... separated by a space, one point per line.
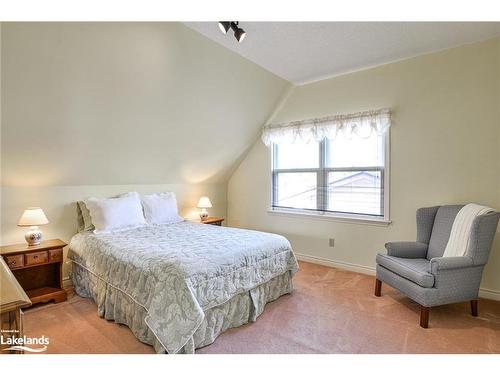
x=355 y=151
x=297 y=190
x=355 y=192
x=297 y=155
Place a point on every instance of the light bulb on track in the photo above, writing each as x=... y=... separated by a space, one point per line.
x=224 y=26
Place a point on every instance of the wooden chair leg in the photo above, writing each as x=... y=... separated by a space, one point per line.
x=473 y=307
x=424 y=316
x=378 y=287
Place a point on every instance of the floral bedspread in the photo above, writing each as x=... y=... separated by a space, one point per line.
x=178 y=271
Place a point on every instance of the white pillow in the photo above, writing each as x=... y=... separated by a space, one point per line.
x=160 y=208
x=124 y=212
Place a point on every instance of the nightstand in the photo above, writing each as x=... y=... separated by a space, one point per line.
x=214 y=221
x=38 y=269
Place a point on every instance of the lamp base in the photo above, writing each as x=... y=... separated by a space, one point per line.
x=203 y=214
x=34 y=236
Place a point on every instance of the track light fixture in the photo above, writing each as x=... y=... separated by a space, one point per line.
x=239 y=33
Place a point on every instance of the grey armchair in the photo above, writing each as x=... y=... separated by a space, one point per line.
x=419 y=270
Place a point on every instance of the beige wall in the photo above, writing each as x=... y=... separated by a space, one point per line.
x=126 y=103
x=105 y=108
x=444 y=149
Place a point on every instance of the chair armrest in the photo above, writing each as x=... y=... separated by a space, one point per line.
x=406 y=249
x=449 y=263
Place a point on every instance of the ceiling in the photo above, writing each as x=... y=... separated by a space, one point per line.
x=302 y=52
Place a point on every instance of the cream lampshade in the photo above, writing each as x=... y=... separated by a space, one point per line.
x=204 y=203
x=32 y=217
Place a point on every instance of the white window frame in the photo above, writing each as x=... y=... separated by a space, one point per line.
x=336 y=216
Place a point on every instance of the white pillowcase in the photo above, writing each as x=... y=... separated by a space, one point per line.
x=160 y=208
x=108 y=214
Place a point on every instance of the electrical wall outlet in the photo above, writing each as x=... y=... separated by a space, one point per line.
x=331 y=242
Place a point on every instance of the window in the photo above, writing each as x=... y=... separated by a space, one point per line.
x=345 y=176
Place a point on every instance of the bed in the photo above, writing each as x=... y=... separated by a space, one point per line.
x=179 y=286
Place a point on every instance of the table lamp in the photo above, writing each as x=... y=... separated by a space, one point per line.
x=204 y=203
x=32 y=217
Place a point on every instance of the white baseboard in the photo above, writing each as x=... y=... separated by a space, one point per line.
x=483 y=293
x=336 y=264
x=489 y=294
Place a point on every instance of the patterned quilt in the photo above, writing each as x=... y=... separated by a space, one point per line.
x=178 y=271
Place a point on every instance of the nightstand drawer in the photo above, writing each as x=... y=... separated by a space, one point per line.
x=15 y=261
x=55 y=255
x=36 y=258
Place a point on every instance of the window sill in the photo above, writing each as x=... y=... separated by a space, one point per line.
x=349 y=219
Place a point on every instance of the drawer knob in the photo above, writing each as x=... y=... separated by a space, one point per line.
x=35 y=256
x=13 y=262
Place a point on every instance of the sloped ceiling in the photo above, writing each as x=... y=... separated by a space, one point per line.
x=307 y=51
x=126 y=103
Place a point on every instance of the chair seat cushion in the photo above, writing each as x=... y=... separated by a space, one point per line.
x=415 y=270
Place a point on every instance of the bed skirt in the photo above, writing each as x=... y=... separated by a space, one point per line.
x=114 y=304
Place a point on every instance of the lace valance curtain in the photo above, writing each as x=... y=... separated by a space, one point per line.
x=358 y=124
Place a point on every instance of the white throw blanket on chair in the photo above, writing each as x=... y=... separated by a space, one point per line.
x=461 y=229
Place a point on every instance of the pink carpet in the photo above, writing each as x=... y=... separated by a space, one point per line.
x=330 y=311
